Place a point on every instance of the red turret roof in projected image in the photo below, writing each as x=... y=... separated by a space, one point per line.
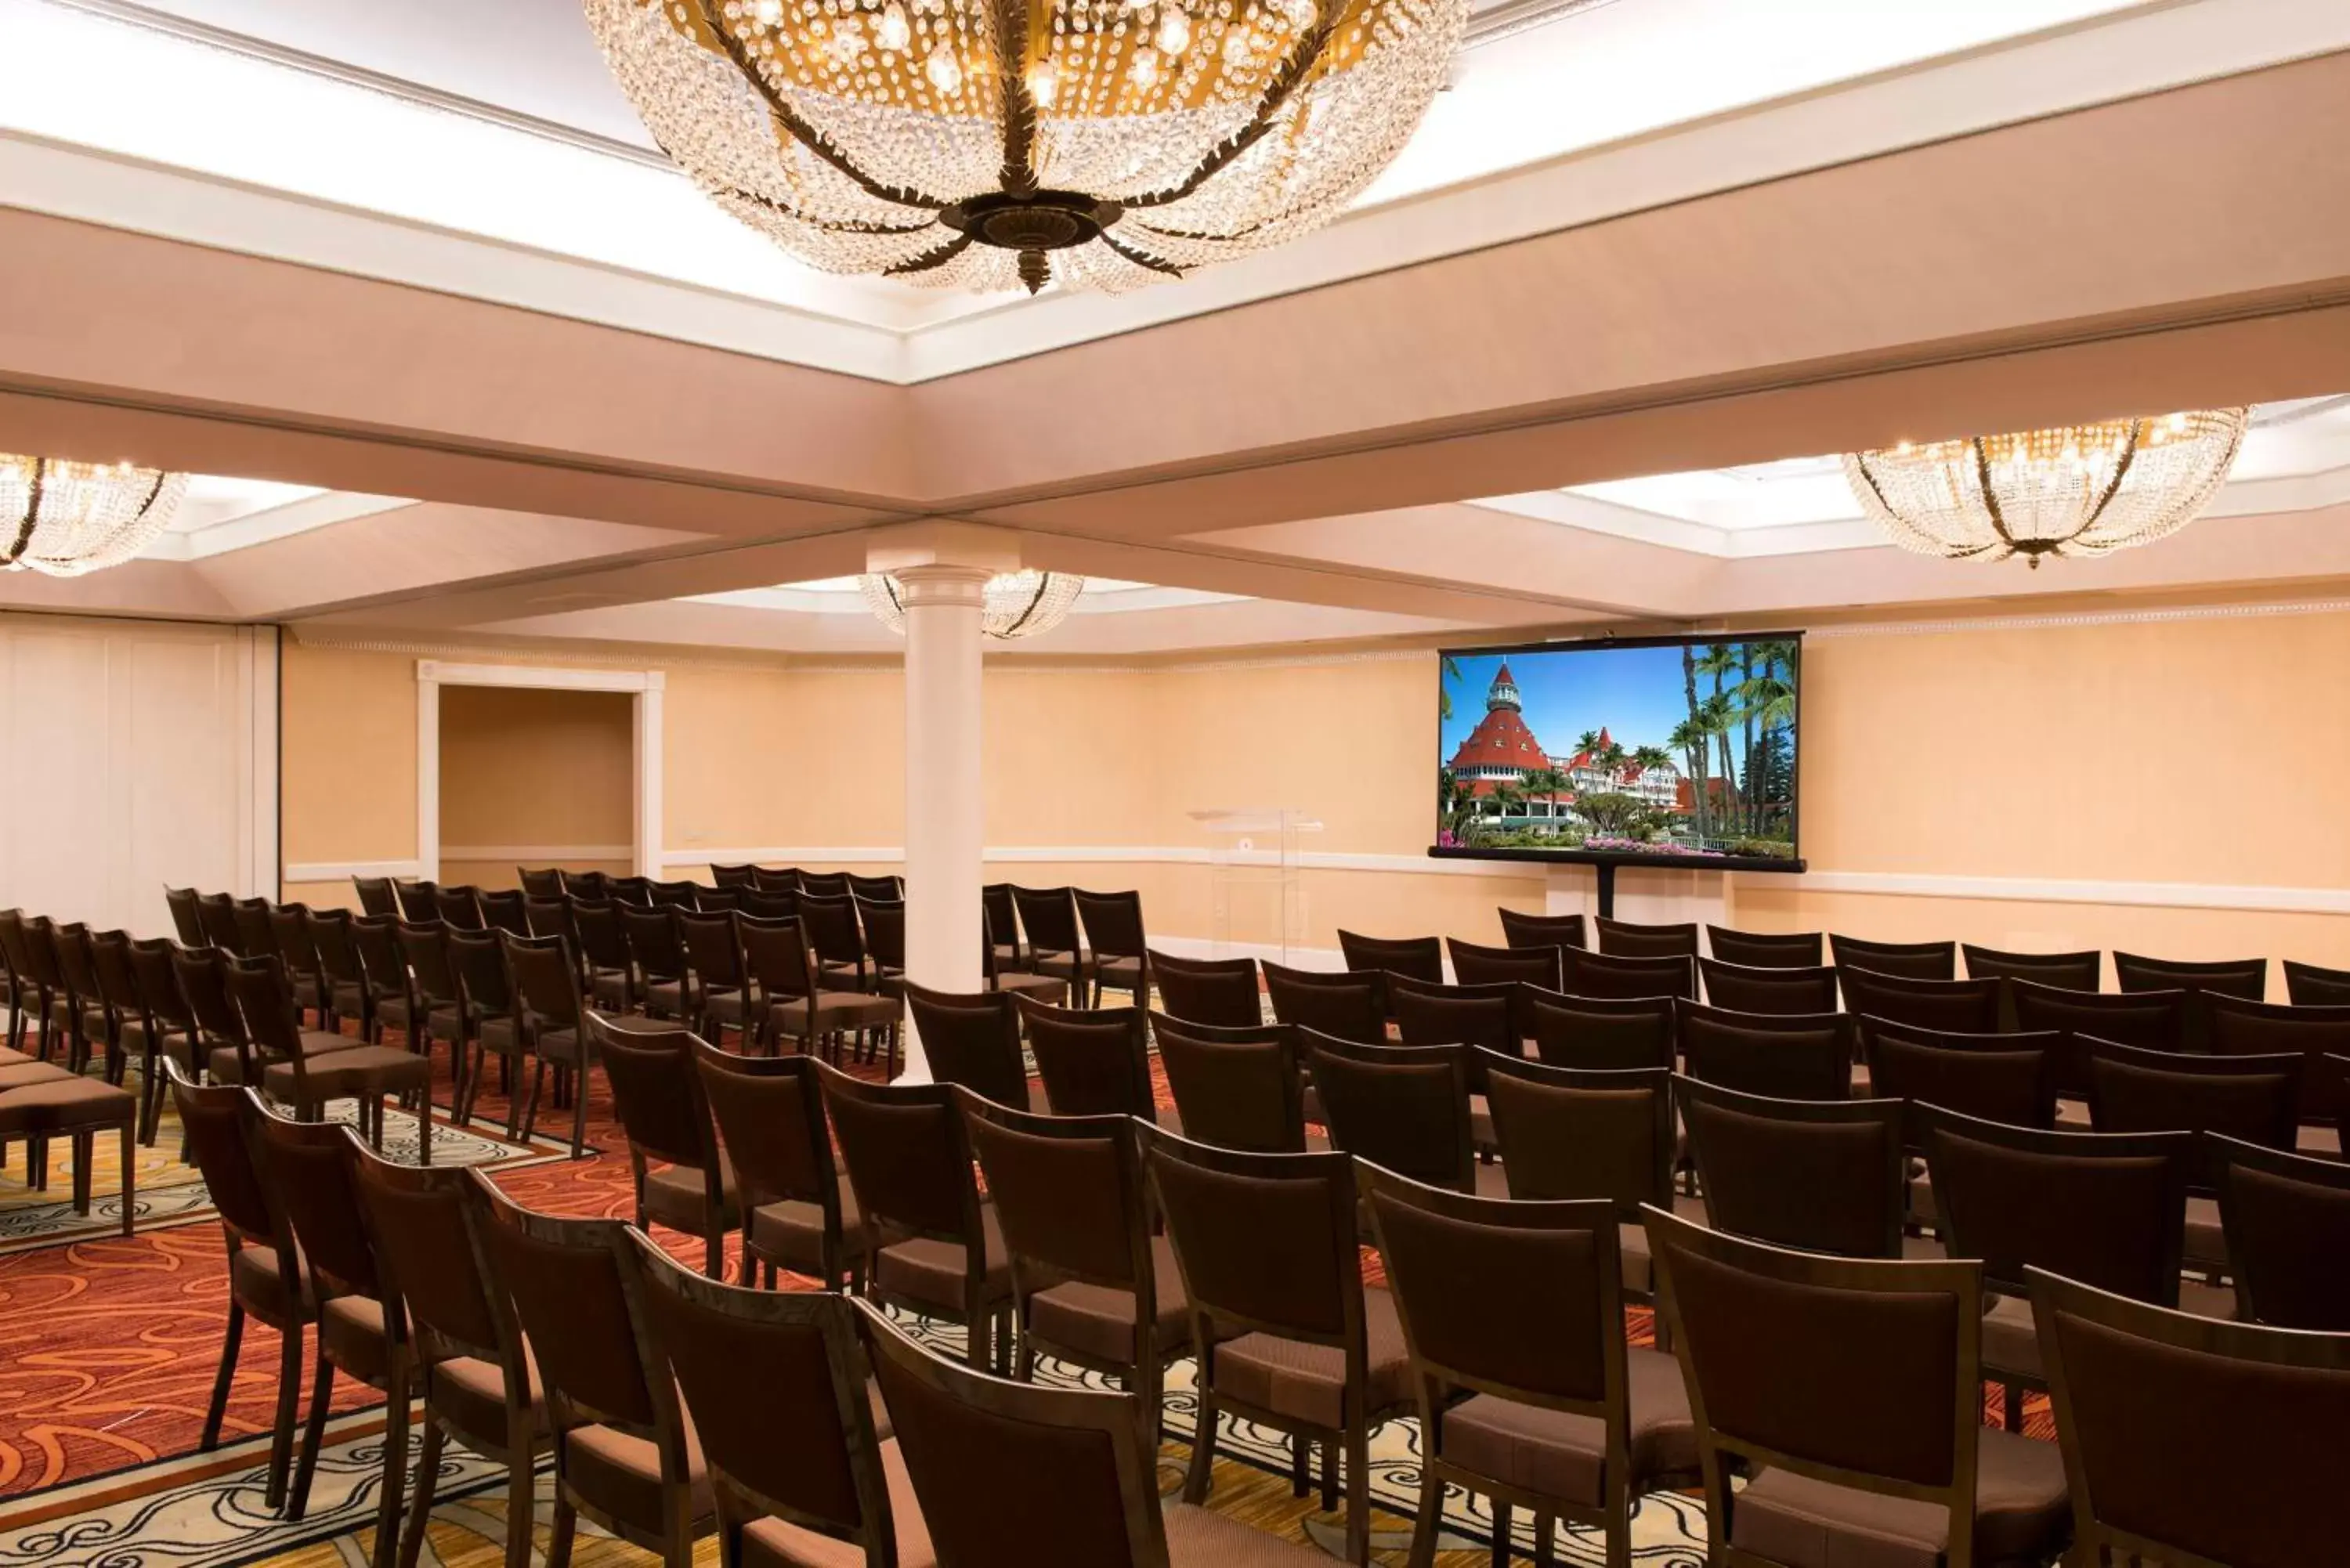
x=1501 y=739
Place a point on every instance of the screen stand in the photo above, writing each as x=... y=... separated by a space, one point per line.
x=1607 y=890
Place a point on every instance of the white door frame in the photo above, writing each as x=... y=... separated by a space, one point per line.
x=643 y=686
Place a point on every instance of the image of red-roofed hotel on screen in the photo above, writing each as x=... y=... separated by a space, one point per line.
x=1674 y=749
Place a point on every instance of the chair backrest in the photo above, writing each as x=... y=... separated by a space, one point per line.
x=216 y=913
x=74 y=965
x=216 y=1120
x=159 y=987
x=877 y=889
x=415 y=900
x=825 y=884
x=1070 y=1197
x=972 y=1039
x=375 y=896
x=884 y=920
x=1766 y=950
x=637 y=890
x=657 y=1094
x=43 y=964
x=774 y=1382
x=777 y=956
x=541 y=976
x=2155 y=1020
x=1567 y=1133
x=653 y=942
x=1093 y=1062
x=1785 y=988
x=460 y=906
x=832 y=929
x=1952 y=1006
x=2171 y=1425
x=1071 y=1464
x=1266 y=1242
x=1791 y=1056
x=1909 y=960
x=1628 y=938
x=770 y=1116
x=1049 y=916
x=1899 y=1340
x=1412 y=958
x=769 y=904
x=1243 y=1094
x=330 y=933
x=551 y=917
x=415 y=1216
x=1402 y=1106
x=713 y=946
x=596 y=886
x=1474 y=965
x=1602 y=1034
x=540 y=881
x=257 y=987
x=256 y=933
x=182 y=902
x=2287 y=1220
x=1223 y=991
x=2308 y=985
x=506 y=910
x=2107 y=1207
x=1823 y=1176
x=1492 y=1015
x=1003 y=915
x=1521 y=929
x=425 y=947
x=562 y=1283
x=2240 y=1028
x=12 y=946
x=1618 y=975
x=603 y=939
x=2067 y=971
x=681 y=895
x=308 y=1167
x=1113 y=924
x=1473 y=1277
x=1350 y=1005
x=733 y=876
x=909 y=1160
x=479 y=959
x=712 y=899
x=2245 y=979
x=200 y=976
x=2006 y=1078
x=376 y=940
x=2255 y=1098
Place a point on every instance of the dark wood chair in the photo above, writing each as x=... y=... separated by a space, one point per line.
x=439 y=1012
x=190 y=928
x=775 y=879
x=476 y=1388
x=216 y=913
x=1091 y=1285
x=1629 y=976
x=1951 y=1006
x=1301 y=1347
x=375 y=896
x=657 y=1096
x=306 y=1069
x=257 y=934
x=2286 y=1219
x=1825 y=1175
x=935 y=1247
x=2255 y=1099
x=77 y=1011
x=782 y=964
x=1348 y=1003
x=890 y=890
x=610 y=969
x=1791 y=1056
x=1114 y=935
x=1044 y=988
x=392 y=998
x=1600 y=1033
x=798 y=1213
x=1237 y=1088
x=884 y=924
x=743 y=876
x=2169 y=1425
x=1898 y=1467
x=542 y=881
x=506 y=910
x=664 y=979
x=297 y=949
x=2246 y=980
x=1412 y=958
x=1222 y=992
x=1629 y=939
x=1905 y=960
x=2068 y=971
x=2240 y=1028
x=1785 y=988
x=552 y=1015
x=801 y=1474
x=1766 y=950
x=1004 y=918
x=156 y=1021
x=2154 y=1021
x=350 y=994
x=722 y=989
x=1567 y=1423
x=1405 y=1108
x=825 y=884
x=2308 y=985
x=980 y=1450
x=487 y=1025
x=1093 y=1062
x=681 y=895
x=838 y=938
x=2006 y=1078
x=1519 y=929
x=972 y=1039
x=459 y=906
x=1048 y=916
x=625 y=1455
x=1475 y=965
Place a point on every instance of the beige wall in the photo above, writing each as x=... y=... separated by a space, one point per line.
x=523 y=767
x=2202 y=750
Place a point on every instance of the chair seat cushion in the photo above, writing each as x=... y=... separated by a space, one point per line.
x=931 y=1271
x=620 y=1473
x=1563 y=1455
x=1308 y=1382
x=369 y=1070
x=65 y=1104
x=254 y=1279
x=792 y=1233
x=2205 y=1241
x=19 y=1074
x=1098 y=1321
x=833 y=1010
x=609 y=989
x=771 y=1542
x=677 y=1197
x=2021 y=1512
x=1044 y=988
x=665 y=996
x=471 y=1393
x=352 y=1327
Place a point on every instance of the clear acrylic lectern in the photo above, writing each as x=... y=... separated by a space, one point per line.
x=1256 y=897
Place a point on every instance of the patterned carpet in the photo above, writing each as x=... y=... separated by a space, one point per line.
x=107 y=1348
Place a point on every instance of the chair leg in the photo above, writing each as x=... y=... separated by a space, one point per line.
x=1358 y=1493
x=424 y=1132
x=1197 y=1478
x=420 y=1503
x=579 y=1112
x=314 y=1430
x=231 y=1342
x=1301 y=1465
x=522 y=1494
x=713 y=1250
x=1327 y=1452
x=1429 y=1521
x=558 y=1541
x=1545 y=1550
x=84 y=1147
x=2012 y=1401
x=395 y=1465
x=1501 y=1526
x=289 y=1398
x=129 y=1198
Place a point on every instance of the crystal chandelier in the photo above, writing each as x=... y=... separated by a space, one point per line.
x=65 y=518
x=1018 y=604
x=2076 y=490
x=996 y=144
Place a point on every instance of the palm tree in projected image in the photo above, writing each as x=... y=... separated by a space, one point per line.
x=1544 y=783
x=1506 y=797
x=1448 y=671
x=1648 y=759
x=1718 y=662
x=1688 y=738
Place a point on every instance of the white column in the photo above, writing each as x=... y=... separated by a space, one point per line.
x=944 y=806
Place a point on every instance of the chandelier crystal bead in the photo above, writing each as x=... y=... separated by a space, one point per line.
x=1020 y=604
x=998 y=144
x=64 y=519
x=2075 y=490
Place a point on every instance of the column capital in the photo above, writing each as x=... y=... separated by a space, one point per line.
x=941 y=584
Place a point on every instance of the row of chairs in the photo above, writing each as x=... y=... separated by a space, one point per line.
x=47 y=968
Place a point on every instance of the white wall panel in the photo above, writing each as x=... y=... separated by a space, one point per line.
x=134 y=756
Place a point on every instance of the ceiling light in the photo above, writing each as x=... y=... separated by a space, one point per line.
x=1018 y=604
x=2076 y=490
x=1157 y=148
x=65 y=518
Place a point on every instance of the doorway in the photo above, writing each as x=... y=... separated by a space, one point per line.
x=534 y=776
